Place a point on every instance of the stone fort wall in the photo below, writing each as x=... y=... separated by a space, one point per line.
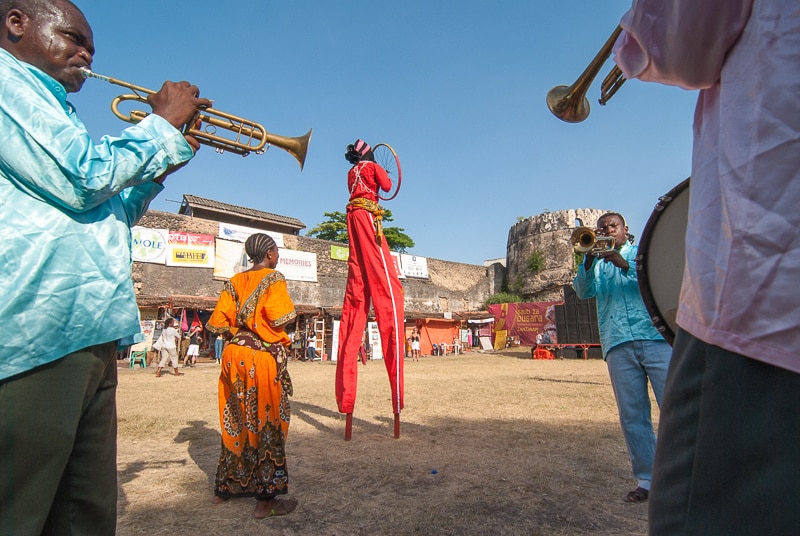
x=544 y=237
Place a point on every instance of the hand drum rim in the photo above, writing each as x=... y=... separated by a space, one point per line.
x=661 y=257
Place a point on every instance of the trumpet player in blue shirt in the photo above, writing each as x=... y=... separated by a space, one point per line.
x=632 y=347
x=66 y=295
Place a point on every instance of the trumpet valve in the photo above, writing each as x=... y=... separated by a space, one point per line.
x=603 y=243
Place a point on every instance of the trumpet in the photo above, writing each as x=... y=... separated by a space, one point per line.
x=585 y=240
x=569 y=103
x=244 y=136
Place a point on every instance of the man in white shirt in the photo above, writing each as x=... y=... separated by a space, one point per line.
x=726 y=460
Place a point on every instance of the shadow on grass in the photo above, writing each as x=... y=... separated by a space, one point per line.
x=204 y=447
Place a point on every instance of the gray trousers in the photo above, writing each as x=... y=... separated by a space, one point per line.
x=728 y=450
x=58 y=445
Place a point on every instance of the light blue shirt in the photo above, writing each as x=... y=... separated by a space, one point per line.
x=66 y=208
x=621 y=314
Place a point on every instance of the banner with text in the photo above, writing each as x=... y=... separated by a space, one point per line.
x=298 y=265
x=190 y=249
x=239 y=233
x=413 y=266
x=526 y=321
x=294 y=265
x=229 y=259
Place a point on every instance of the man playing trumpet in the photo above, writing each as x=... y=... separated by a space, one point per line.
x=66 y=296
x=632 y=347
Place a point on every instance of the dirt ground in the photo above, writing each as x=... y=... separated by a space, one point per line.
x=491 y=444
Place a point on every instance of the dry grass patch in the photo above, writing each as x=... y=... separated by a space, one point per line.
x=491 y=443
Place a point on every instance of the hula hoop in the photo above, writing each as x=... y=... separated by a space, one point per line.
x=388 y=160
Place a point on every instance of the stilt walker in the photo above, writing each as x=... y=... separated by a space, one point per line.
x=371 y=279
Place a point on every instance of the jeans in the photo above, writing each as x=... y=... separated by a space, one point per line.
x=630 y=365
x=219 y=345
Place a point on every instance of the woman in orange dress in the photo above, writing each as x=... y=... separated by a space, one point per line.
x=254 y=384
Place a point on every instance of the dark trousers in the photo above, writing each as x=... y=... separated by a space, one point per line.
x=58 y=444
x=727 y=459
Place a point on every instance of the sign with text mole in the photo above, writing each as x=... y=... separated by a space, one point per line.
x=149 y=245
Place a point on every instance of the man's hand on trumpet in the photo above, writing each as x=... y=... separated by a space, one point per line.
x=178 y=103
x=613 y=256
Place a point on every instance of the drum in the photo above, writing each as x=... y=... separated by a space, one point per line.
x=659 y=262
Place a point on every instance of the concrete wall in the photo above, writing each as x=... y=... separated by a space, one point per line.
x=451 y=287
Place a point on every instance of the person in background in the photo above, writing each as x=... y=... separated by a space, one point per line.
x=311 y=342
x=363 y=351
x=184 y=346
x=168 y=340
x=729 y=426
x=633 y=349
x=415 y=345
x=194 y=346
x=66 y=208
x=254 y=383
x=219 y=345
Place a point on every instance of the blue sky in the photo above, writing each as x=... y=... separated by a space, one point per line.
x=456 y=87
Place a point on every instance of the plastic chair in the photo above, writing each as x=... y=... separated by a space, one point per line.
x=139 y=355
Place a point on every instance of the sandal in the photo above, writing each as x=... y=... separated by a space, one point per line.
x=276 y=507
x=637 y=495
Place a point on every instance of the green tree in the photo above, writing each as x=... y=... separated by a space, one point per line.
x=335 y=229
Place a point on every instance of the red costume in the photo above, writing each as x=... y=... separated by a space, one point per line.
x=371 y=277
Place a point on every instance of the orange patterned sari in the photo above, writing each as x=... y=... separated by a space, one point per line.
x=254 y=385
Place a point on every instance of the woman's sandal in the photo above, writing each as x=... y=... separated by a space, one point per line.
x=277 y=507
x=637 y=495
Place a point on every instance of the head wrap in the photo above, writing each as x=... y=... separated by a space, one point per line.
x=257 y=245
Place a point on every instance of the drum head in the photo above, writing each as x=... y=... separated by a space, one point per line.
x=662 y=253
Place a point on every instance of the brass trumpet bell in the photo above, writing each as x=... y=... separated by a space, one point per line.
x=585 y=240
x=569 y=103
x=243 y=136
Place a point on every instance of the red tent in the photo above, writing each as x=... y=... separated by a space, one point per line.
x=436 y=331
